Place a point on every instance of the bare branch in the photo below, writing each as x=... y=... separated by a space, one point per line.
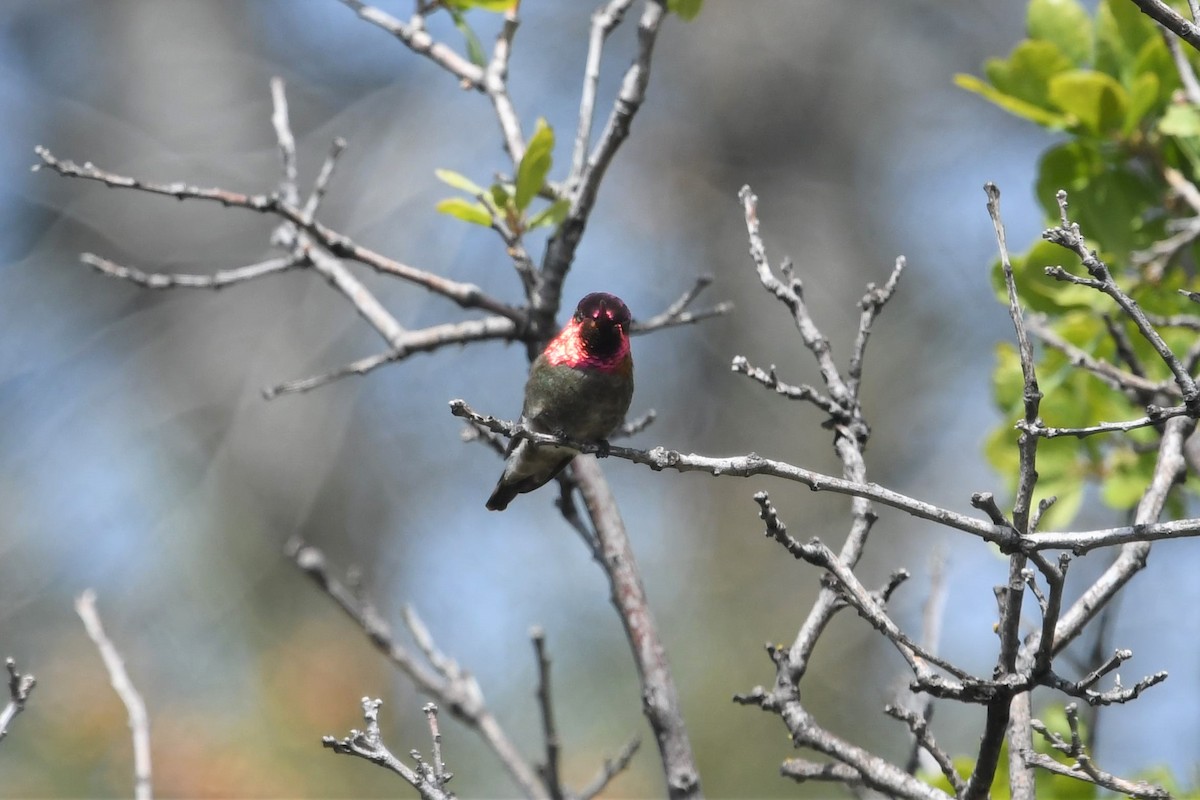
x=635 y=426
x=1084 y=768
x=445 y=682
x=548 y=770
x=604 y=20
x=792 y=296
x=919 y=726
x=1114 y=376
x=1171 y=19
x=19 y=688
x=871 y=304
x=1113 y=696
x=818 y=554
x=323 y=177
x=495 y=84
x=369 y=745
x=465 y=295
x=169 y=280
x=1132 y=558
x=660 y=700
x=677 y=313
x=769 y=379
x=560 y=251
x=1068 y=236
x=409 y=342
x=139 y=720
x=611 y=768
x=660 y=458
x=416 y=38
x=1158 y=416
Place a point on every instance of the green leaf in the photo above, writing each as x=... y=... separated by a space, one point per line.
x=1027 y=71
x=474 y=47
x=1037 y=290
x=1012 y=105
x=1180 y=120
x=1121 y=32
x=1128 y=475
x=552 y=214
x=535 y=165
x=466 y=210
x=1066 y=24
x=686 y=10
x=1143 y=96
x=1095 y=99
x=501 y=195
x=458 y=181
x=495 y=6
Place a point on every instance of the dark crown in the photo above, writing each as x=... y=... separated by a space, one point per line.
x=604 y=309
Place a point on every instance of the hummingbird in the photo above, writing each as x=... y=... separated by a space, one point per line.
x=579 y=387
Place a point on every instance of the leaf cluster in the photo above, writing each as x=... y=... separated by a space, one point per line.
x=1108 y=84
x=508 y=202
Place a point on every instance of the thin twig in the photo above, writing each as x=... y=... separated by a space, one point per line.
x=548 y=770
x=660 y=458
x=770 y=379
x=495 y=84
x=321 y=184
x=677 y=313
x=611 y=768
x=1067 y=235
x=19 y=688
x=1084 y=768
x=417 y=39
x=450 y=686
x=410 y=342
x=604 y=20
x=170 y=280
x=465 y=295
x=369 y=745
x=139 y=720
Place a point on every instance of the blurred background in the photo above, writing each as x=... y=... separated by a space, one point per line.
x=138 y=457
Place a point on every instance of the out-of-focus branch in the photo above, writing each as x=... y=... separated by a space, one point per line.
x=19 y=688
x=610 y=769
x=444 y=681
x=139 y=720
x=428 y=779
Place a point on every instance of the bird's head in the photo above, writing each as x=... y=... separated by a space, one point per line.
x=603 y=322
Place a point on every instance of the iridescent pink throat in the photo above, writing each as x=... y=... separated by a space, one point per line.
x=570 y=349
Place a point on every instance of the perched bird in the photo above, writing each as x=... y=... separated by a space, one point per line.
x=579 y=387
